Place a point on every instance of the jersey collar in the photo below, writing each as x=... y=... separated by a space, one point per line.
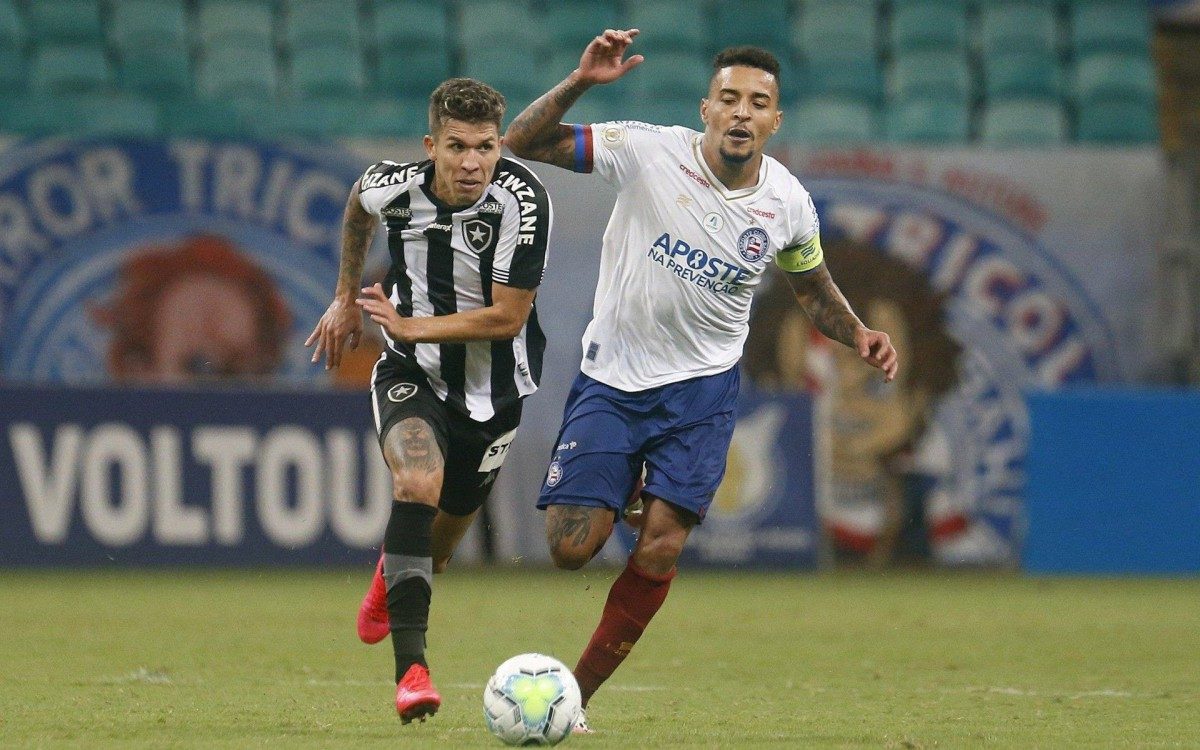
x=719 y=186
x=439 y=204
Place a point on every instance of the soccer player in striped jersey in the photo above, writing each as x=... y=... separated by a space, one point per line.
x=698 y=219
x=467 y=233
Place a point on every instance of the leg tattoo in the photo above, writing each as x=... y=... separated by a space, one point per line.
x=570 y=522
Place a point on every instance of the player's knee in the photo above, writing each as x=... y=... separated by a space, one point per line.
x=658 y=552
x=412 y=487
x=441 y=563
x=570 y=556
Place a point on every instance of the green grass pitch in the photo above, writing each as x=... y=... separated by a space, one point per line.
x=269 y=658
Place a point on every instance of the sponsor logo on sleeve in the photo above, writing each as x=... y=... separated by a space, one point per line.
x=554 y=475
x=613 y=136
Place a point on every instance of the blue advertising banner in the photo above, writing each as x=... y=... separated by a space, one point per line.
x=1114 y=482
x=100 y=476
x=765 y=511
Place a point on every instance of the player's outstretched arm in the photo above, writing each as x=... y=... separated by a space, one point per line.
x=503 y=319
x=538 y=133
x=830 y=312
x=342 y=322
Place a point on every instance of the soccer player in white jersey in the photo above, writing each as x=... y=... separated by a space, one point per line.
x=468 y=234
x=698 y=218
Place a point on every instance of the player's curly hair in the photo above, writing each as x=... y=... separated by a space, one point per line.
x=751 y=57
x=464 y=99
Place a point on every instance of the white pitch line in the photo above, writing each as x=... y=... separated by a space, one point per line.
x=1106 y=693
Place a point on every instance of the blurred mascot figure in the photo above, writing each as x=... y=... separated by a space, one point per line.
x=874 y=510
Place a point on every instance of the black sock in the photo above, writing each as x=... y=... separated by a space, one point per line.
x=408 y=572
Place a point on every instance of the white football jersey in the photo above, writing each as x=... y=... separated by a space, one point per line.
x=682 y=254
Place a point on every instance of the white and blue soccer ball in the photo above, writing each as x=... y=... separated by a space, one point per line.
x=532 y=699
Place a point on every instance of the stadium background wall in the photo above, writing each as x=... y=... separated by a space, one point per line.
x=1036 y=260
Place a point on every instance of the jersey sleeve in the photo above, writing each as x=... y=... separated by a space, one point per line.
x=803 y=252
x=382 y=182
x=616 y=150
x=523 y=247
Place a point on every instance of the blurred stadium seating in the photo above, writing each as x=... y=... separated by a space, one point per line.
x=1069 y=65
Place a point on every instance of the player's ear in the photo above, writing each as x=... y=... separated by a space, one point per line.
x=778 y=121
x=428 y=141
x=704 y=110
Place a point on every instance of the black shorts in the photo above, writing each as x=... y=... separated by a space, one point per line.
x=473 y=451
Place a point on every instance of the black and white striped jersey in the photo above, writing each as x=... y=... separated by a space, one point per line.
x=445 y=260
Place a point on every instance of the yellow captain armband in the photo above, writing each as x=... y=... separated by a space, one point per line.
x=801 y=258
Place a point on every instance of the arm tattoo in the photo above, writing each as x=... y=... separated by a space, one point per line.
x=825 y=305
x=570 y=521
x=538 y=132
x=358 y=227
x=411 y=447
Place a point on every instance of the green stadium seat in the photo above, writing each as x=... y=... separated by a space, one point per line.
x=122 y=114
x=13 y=32
x=13 y=75
x=504 y=68
x=1023 y=123
x=511 y=23
x=1025 y=27
x=838 y=30
x=61 y=68
x=207 y=118
x=664 y=111
x=1110 y=27
x=405 y=24
x=316 y=23
x=404 y=117
x=1117 y=122
x=672 y=74
x=342 y=117
x=65 y=21
x=669 y=25
x=1018 y=74
x=141 y=24
x=413 y=71
x=853 y=78
x=589 y=110
x=953 y=5
x=83 y=114
x=1112 y=76
x=763 y=23
x=830 y=121
x=929 y=121
x=930 y=74
x=294 y=119
x=563 y=60
x=571 y=24
x=37 y=115
x=237 y=71
x=327 y=71
x=928 y=25
x=234 y=23
x=157 y=71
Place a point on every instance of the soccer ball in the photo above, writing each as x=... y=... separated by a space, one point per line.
x=532 y=699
